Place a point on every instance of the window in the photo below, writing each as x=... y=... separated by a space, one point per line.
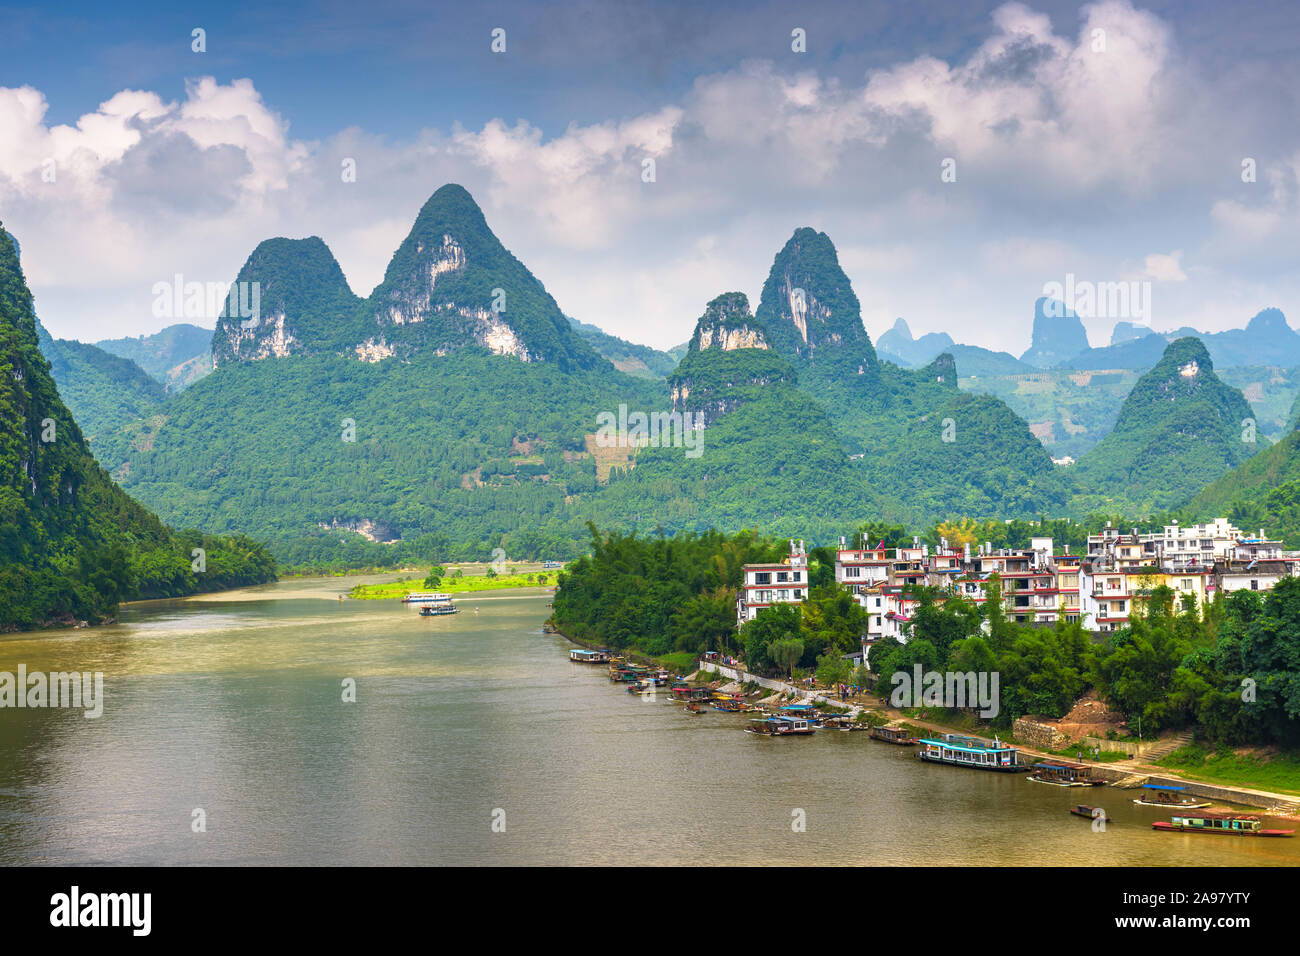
x=782 y=577
x=1254 y=585
x=762 y=577
x=796 y=577
x=853 y=572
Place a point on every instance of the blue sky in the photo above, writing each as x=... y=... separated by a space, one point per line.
x=1119 y=165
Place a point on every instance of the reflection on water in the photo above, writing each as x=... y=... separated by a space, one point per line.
x=233 y=704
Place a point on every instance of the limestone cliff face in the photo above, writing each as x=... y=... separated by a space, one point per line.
x=728 y=360
x=809 y=309
x=290 y=298
x=727 y=325
x=450 y=285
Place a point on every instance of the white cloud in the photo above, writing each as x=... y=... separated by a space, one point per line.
x=1164 y=267
x=1069 y=159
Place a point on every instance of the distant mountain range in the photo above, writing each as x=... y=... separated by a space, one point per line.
x=1071 y=393
x=176 y=356
x=455 y=410
x=474 y=401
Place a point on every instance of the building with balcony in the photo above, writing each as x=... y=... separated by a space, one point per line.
x=764 y=585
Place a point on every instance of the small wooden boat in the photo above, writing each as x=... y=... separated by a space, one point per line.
x=1234 y=824
x=1091 y=813
x=780 y=727
x=694 y=709
x=627 y=673
x=892 y=735
x=1162 y=796
x=696 y=694
x=1064 y=775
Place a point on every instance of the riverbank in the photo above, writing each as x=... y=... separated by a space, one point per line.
x=1132 y=773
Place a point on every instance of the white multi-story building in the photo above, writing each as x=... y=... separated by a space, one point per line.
x=1257 y=549
x=1257 y=574
x=767 y=584
x=1199 y=544
x=1105 y=601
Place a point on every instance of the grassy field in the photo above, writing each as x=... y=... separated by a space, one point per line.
x=1106 y=756
x=1279 y=772
x=468 y=583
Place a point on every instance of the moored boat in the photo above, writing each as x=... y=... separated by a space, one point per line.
x=957 y=750
x=584 y=656
x=801 y=712
x=891 y=734
x=1064 y=775
x=627 y=673
x=780 y=727
x=1158 y=795
x=1234 y=824
x=1091 y=813
x=694 y=694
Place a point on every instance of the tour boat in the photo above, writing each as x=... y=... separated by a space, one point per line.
x=1064 y=775
x=1236 y=824
x=957 y=750
x=892 y=735
x=437 y=605
x=583 y=656
x=425 y=597
x=780 y=727
x=1091 y=813
x=1162 y=796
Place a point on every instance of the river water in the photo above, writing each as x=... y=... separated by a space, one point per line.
x=473 y=739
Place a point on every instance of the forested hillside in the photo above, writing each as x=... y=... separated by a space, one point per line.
x=72 y=544
x=456 y=411
x=1179 y=429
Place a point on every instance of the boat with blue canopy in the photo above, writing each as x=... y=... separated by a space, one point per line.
x=1160 y=795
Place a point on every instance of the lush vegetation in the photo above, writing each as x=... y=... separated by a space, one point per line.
x=1230 y=670
x=161 y=354
x=101 y=390
x=1070 y=411
x=1223 y=764
x=454 y=583
x=639 y=360
x=72 y=544
x=659 y=594
x=1179 y=429
x=1262 y=493
x=459 y=452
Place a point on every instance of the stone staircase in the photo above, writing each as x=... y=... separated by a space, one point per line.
x=1164 y=747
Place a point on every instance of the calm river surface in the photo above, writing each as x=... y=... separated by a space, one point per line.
x=233 y=703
